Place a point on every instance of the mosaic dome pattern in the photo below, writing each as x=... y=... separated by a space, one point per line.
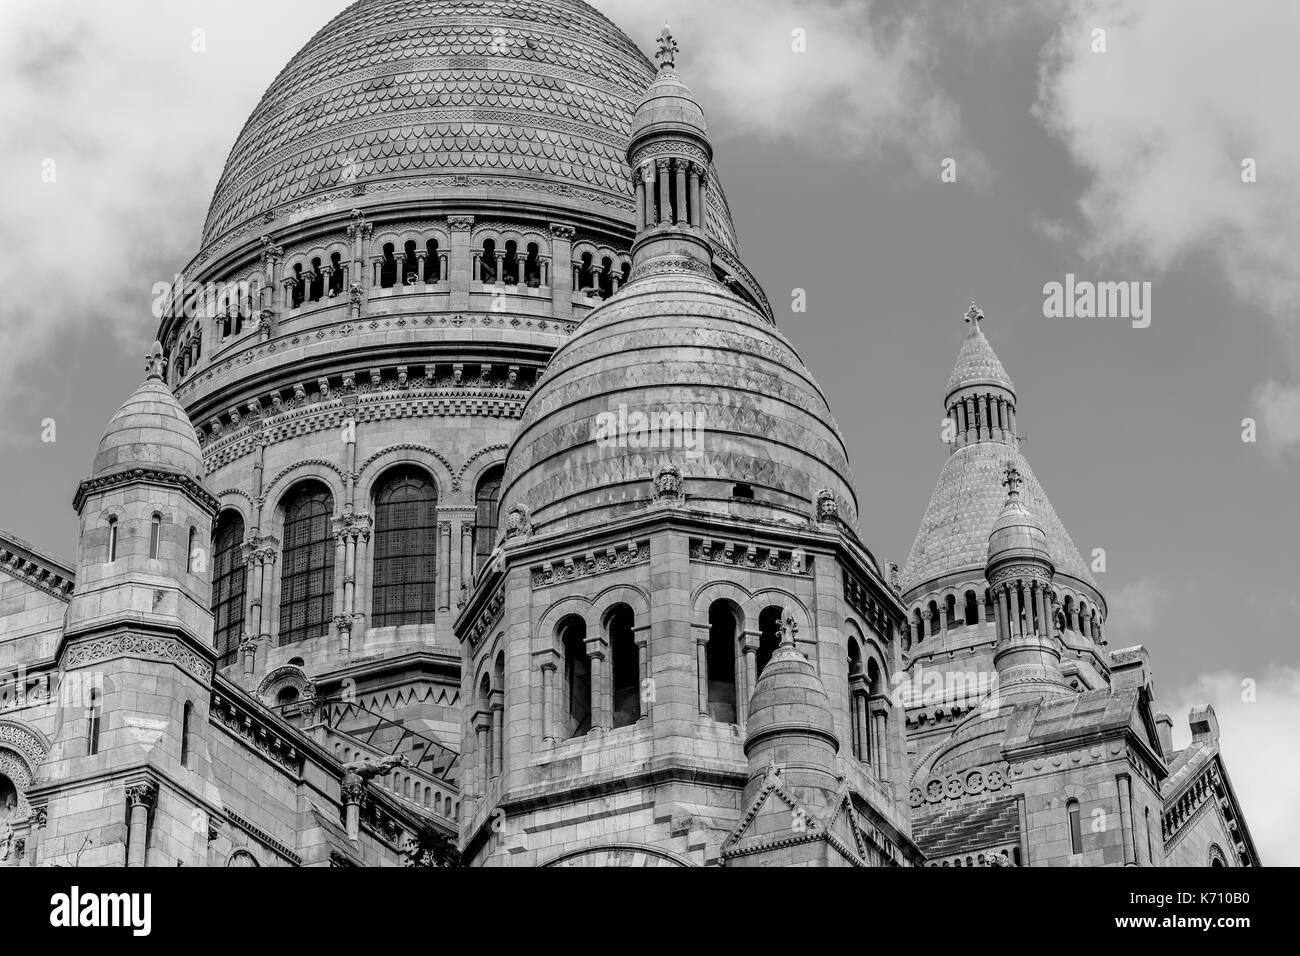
x=393 y=94
x=978 y=364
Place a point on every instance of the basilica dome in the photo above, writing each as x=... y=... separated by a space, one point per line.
x=500 y=101
x=678 y=372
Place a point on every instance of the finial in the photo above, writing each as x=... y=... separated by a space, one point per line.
x=1013 y=481
x=155 y=362
x=974 y=315
x=667 y=55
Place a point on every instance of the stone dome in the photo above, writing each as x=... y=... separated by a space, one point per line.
x=977 y=364
x=668 y=106
x=676 y=371
x=151 y=431
x=1017 y=535
x=789 y=699
x=500 y=100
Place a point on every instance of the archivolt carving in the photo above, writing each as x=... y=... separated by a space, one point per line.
x=289 y=675
x=424 y=449
x=318 y=462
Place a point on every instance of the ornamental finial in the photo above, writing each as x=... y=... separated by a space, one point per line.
x=155 y=362
x=667 y=55
x=1013 y=481
x=974 y=315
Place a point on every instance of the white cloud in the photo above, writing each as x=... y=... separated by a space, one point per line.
x=1258 y=748
x=1278 y=407
x=138 y=126
x=1137 y=606
x=1164 y=119
x=863 y=85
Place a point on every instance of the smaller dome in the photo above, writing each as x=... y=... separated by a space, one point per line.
x=668 y=106
x=1017 y=533
x=789 y=700
x=150 y=431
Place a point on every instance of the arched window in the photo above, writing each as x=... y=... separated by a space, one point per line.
x=577 y=676
x=410 y=264
x=533 y=267
x=488 y=500
x=316 y=281
x=94 y=713
x=406 y=535
x=950 y=611
x=972 y=609
x=488 y=263
x=307 y=575
x=769 y=637
x=155 y=535
x=8 y=799
x=229 y=579
x=189 y=550
x=336 y=274
x=111 y=555
x=1076 y=830
x=187 y=721
x=298 y=288
x=388 y=268
x=720 y=658
x=626 y=660
x=511 y=264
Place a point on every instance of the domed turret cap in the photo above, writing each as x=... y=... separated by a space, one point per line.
x=1017 y=533
x=151 y=431
x=668 y=106
x=789 y=699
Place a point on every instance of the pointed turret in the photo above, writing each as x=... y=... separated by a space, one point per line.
x=981 y=405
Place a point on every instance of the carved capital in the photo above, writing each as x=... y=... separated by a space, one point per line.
x=143 y=793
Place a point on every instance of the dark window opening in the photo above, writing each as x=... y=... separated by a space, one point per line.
x=720 y=658
x=627 y=666
x=406 y=534
x=769 y=636
x=307 y=577
x=577 y=676
x=229 y=580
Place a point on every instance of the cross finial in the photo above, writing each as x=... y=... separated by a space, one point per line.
x=667 y=55
x=974 y=315
x=1013 y=481
x=155 y=362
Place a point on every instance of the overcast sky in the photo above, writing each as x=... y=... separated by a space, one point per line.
x=1124 y=165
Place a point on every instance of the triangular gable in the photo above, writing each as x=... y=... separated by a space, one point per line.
x=775 y=820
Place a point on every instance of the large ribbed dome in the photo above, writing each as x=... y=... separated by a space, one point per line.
x=675 y=342
x=520 y=100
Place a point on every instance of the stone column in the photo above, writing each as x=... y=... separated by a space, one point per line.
x=643 y=672
x=483 y=729
x=600 y=703
x=444 y=565
x=268 y=582
x=704 y=199
x=639 y=187
x=501 y=269
x=916 y=631
x=467 y=555
x=40 y=816
x=1001 y=610
x=548 y=703
x=253 y=589
x=750 y=651
x=665 y=193
x=680 y=212
x=861 y=718
x=647 y=173
x=498 y=731
x=562 y=257
x=353 y=792
x=1126 y=819
x=1017 y=620
x=460 y=258
x=702 y=664
x=878 y=750
x=140 y=797
x=361 y=588
x=349 y=569
x=695 y=195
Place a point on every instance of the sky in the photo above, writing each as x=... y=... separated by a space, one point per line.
x=1163 y=150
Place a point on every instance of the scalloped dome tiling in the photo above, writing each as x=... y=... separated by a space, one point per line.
x=978 y=364
x=419 y=96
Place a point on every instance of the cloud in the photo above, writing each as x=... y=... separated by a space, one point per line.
x=863 y=85
x=1137 y=606
x=1257 y=744
x=137 y=125
x=1163 y=121
x=1278 y=408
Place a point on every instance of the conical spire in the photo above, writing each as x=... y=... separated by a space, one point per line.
x=980 y=400
x=977 y=363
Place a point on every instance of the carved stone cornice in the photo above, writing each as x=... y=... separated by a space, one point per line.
x=31 y=570
x=157 y=647
x=590 y=563
x=152 y=476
